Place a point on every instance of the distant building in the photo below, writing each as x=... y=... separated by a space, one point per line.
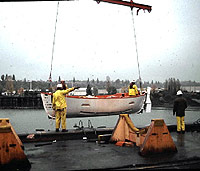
x=102 y=91
x=78 y=92
x=82 y=92
x=191 y=88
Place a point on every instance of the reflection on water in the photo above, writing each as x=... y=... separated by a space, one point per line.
x=180 y=140
x=27 y=120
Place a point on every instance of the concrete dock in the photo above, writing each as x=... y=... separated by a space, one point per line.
x=80 y=150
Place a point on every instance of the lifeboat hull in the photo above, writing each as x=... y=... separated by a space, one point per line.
x=78 y=106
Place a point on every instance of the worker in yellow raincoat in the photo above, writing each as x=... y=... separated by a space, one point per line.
x=133 y=90
x=60 y=106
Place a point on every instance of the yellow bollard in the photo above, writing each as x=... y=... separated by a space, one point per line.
x=11 y=147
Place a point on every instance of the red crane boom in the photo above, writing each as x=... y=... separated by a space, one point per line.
x=129 y=4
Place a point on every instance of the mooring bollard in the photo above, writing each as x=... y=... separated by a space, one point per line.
x=152 y=139
x=124 y=130
x=12 y=155
x=157 y=139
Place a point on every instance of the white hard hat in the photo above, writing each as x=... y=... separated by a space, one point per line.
x=59 y=85
x=179 y=92
x=133 y=81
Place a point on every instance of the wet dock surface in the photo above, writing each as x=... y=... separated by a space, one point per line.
x=87 y=154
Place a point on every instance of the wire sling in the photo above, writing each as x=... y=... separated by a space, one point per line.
x=136 y=48
x=50 y=79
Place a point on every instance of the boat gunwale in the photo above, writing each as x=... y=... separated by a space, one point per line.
x=113 y=96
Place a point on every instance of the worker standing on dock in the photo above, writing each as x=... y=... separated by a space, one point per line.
x=180 y=104
x=132 y=89
x=60 y=106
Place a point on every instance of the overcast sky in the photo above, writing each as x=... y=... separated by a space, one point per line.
x=97 y=40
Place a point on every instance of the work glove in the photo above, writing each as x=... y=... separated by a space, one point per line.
x=76 y=88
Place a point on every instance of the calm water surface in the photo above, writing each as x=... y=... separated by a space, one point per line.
x=28 y=120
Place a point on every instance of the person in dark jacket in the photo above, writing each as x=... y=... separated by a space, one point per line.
x=180 y=104
x=64 y=86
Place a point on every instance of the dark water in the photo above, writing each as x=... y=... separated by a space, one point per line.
x=27 y=120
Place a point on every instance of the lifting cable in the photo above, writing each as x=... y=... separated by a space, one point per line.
x=50 y=79
x=136 y=48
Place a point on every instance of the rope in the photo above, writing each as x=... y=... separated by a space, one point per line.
x=54 y=42
x=136 y=48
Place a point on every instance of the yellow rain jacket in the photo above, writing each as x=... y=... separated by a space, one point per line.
x=133 y=91
x=59 y=100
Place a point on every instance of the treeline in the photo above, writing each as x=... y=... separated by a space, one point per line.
x=11 y=85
